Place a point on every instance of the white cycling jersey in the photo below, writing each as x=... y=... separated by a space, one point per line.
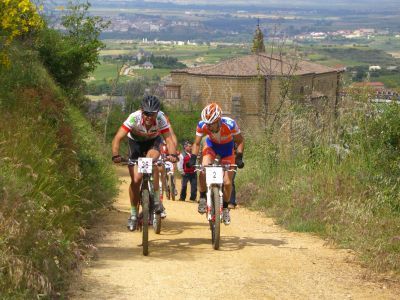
x=134 y=124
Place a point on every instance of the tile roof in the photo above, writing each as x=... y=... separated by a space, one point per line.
x=371 y=84
x=248 y=66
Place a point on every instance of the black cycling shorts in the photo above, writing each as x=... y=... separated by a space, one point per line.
x=139 y=149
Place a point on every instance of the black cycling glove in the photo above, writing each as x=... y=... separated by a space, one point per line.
x=117 y=159
x=192 y=161
x=239 y=160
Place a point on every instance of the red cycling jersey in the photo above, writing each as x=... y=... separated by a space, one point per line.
x=228 y=129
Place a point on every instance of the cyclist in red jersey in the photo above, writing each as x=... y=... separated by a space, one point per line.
x=221 y=135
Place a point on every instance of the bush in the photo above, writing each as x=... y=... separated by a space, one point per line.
x=347 y=190
x=53 y=178
x=183 y=122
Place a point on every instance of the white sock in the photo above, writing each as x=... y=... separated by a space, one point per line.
x=133 y=211
x=156 y=196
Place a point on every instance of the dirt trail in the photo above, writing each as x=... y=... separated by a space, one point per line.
x=257 y=260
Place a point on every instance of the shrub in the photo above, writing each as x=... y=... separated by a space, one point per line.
x=54 y=176
x=345 y=187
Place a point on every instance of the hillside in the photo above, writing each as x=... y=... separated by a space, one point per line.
x=55 y=174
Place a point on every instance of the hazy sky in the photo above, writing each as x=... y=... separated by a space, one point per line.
x=277 y=2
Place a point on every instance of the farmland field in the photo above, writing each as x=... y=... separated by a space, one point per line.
x=109 y=71
x=395 y=54
x=192 y=55
x=188 y=54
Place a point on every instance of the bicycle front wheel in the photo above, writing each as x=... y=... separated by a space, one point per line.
x=145 y=229
x=215 y=222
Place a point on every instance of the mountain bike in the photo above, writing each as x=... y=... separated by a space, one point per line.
x=170 y=188
x=147 y=215
x=214 y=181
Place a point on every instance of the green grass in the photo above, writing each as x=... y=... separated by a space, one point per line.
x=386 y=43
x=153 y=72
x=54 y=177
x=184 y=123
x=185 y=53
x=350 y=198
x=106 y=71
x=390 y=81
x=188 y=54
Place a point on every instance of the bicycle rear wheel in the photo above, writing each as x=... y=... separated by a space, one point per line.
x=145 y=229
x=171 y=186
x=215 y=222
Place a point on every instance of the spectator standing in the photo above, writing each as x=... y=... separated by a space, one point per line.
x=189 y=175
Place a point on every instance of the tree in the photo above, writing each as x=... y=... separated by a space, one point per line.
x=70 y=56
x=17 y=18
x=258 y=41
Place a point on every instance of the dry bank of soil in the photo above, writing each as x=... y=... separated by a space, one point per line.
x=256 y=260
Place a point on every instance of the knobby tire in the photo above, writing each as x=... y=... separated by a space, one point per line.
x=216 y=225
x=145 y=229
x=157 y=223
x=167 y=189
x=171 y=187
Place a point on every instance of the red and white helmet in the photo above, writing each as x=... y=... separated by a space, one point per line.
x=211 y=113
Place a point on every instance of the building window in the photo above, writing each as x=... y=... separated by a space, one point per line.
x=173 y=92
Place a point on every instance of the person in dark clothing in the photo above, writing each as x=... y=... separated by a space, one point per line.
x=189 y=175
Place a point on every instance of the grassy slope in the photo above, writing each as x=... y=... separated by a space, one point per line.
x=54 y=176
x=351 y=197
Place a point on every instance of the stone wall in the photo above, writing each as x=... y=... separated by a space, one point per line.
x=254 y=101
x=302 y=88
x=239 y=97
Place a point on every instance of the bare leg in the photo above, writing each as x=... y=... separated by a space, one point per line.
x=207 y=159
x=134 y=189
x=228 y=177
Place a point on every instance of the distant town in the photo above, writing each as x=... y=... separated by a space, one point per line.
x=170 y=21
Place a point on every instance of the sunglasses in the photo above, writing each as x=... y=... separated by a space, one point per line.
x=149 y=113
x=215 y=124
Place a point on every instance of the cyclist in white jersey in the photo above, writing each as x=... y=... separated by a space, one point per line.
x=144 y=129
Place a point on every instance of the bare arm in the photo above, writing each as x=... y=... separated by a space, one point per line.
x=196 y=145
x=121 y=133
x=173 y=136
x=170 y=142
x=238 y=139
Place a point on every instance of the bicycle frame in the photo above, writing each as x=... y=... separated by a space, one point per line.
x=146 y=200
x=147 y=179
x=214 y=181
x=169 y=180
x=210 y=213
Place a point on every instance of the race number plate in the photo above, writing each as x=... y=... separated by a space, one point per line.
x=145 y=165
x=214 y=175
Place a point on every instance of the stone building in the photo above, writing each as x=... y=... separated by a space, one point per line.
x=249 y=88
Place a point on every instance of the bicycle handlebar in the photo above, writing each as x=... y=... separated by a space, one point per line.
x=165 y=156
x=226 y=167
x=132 y=162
